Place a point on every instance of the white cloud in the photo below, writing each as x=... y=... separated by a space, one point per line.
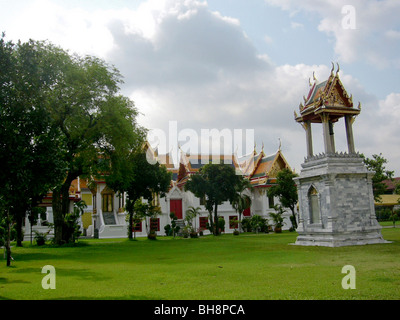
x=376 y=33
x=184 y=63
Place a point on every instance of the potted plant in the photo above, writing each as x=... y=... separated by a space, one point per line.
x=186 y=231
x=152 y=235
x=40 y=238
x=277 y=218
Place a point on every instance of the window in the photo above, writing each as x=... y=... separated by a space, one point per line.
x=313 y=200
x=203 y=223
x=203 y=201
x=233 y=222
x=155 y=224
x=137 y=225
x=108 y=202
x=271 y=202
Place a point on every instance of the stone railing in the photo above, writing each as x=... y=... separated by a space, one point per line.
x=338 y=155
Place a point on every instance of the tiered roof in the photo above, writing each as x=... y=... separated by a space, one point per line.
x=259 y=168
x=328 y=96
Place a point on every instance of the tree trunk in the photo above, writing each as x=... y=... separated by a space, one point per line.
x=210 y=217
x=58 y=217
x=8 y=241
x=20 y=234
x=216 y=227
x=60 y=205
x=131 y=226
x=294 y=219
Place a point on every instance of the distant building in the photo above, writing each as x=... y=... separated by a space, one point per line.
x=105 y=215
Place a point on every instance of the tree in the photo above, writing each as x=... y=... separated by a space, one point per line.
x=242 y=201
x=216 y=183
x=135 y=175
x=30 y=144
x=285 y=189
x=377 y=165
x=96 y=124
x=145 y=211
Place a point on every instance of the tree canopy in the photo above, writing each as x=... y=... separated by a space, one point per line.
x=61 y=116
x=139 y=178
x=377 y=165
x=216 y=183
x=285 y=189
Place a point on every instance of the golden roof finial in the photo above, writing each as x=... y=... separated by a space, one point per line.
x=338 y=68
x=333 y=68
x=295 y=114
x=315 y=79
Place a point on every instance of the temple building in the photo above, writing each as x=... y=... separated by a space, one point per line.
x=336 y=203
x=105 y=215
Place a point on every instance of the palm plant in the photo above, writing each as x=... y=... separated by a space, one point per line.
x=192 y=213
x=242 y=201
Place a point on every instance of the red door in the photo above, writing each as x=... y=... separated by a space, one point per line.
x=176 y=207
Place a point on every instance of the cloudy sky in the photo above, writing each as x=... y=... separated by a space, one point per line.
x=236 y=64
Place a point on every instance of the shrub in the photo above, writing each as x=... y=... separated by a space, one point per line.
x=259 y=223
x=221 y=224
x=40 y=238
x=152 y=235
x=246 y=225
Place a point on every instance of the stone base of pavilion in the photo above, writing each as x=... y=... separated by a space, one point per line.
x=336 y=202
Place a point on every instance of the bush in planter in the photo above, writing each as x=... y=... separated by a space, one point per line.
x=277 y=218
x=221 y=224
x=168 y=230
x=193 y=234
x=40 y=238
x=152 y=235
x=259 y=223
x=246 y=225
x=236 y=232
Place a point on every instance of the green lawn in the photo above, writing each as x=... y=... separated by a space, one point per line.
x=248 y=266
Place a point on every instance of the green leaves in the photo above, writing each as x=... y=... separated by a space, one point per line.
x=377 y=165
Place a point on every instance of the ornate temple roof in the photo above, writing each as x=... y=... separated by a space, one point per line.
x=327 y=97
x=259 y=168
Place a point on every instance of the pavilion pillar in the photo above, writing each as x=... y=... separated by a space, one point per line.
x=307 y=128
x=327 y=127
x=349 y=133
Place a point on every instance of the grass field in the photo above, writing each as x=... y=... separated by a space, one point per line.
x=248 y=266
